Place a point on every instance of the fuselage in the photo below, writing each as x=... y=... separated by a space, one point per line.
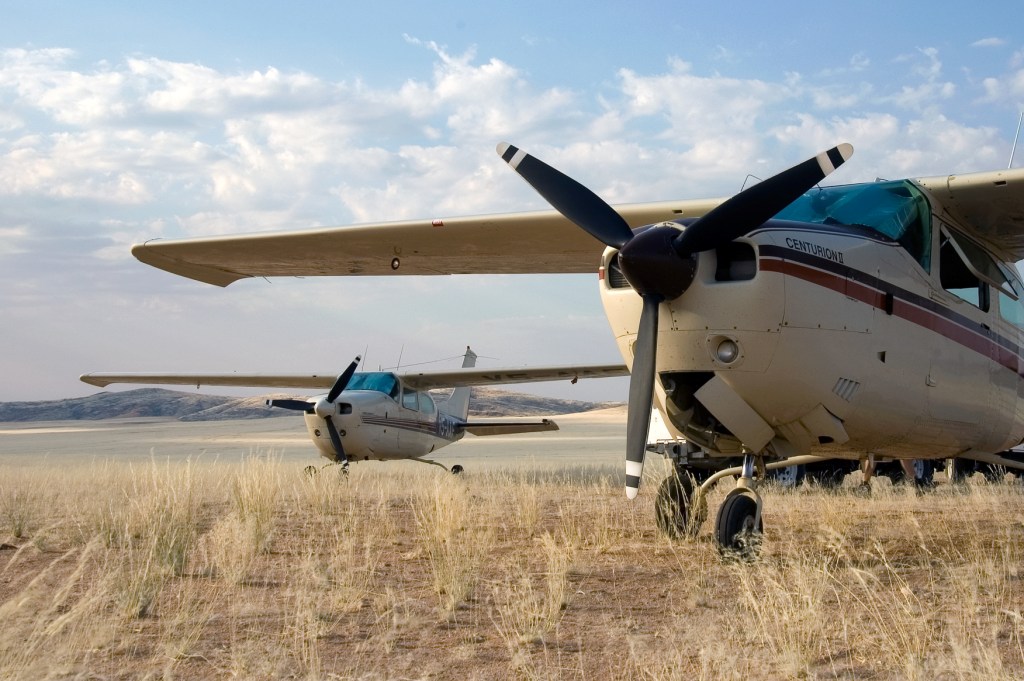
x=863 y=320
x=380 y=419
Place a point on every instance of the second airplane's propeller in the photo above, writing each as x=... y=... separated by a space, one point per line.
x=326 y=408
x=660 y=262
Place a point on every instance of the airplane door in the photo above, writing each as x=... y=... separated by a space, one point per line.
x=959 y=377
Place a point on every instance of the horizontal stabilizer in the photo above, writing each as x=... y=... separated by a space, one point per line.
x=481 y=428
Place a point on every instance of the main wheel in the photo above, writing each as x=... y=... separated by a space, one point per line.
x=828 y=475
x=789 y=477
x=673 y=507
x=958 y=470
x=737 y=529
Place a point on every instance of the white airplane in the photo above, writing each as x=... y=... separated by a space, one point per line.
x=382 y=415
x=786 y=325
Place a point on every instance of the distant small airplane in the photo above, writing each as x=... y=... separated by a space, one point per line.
x=383 y=415
x=786 y=325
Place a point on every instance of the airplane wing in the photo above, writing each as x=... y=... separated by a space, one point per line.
x=425 y=380
x=509 y=243
x=421 y=380
x=310 y=381
x=991 y=203
x=481 y=428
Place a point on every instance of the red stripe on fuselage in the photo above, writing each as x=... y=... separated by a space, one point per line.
x=901 y=308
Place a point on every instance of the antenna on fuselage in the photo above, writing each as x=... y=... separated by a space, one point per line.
x=1015 y=136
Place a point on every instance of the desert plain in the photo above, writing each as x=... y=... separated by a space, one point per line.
x=159 y=549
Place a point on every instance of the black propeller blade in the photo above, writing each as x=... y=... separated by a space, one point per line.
x=294 y=405
x=661 y=262
x=339 y=449
x=570 y=198
x=342 y=382
x=758 y=203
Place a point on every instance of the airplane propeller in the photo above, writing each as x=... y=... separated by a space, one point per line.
x=660 y=261
x=326 y=407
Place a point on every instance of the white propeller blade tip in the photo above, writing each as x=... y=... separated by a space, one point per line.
x=631 y=492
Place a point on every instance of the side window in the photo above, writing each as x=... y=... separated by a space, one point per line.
x=410 y=399
x=1011 y=310
x=957 y=278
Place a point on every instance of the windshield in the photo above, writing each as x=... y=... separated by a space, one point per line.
x=378 y=381
x=896 y=209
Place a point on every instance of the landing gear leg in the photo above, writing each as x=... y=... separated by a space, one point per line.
x=455 y=470
x=310 y=470
x=738 y=525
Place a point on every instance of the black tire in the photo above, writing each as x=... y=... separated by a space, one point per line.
x=736 y=532
x=829 y=477
x=673 y=508
x=457 y=469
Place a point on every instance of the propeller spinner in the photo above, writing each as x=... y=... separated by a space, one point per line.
x=660 y=262
x=326 y=407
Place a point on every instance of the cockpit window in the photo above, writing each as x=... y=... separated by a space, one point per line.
x=409 y=399
x=897 y=210
x=378 y=381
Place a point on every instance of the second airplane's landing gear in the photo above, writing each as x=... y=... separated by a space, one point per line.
x=313 y=470
x=454 y=470
x=738 y=525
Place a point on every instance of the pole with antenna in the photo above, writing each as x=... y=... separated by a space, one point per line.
x=1016 y=135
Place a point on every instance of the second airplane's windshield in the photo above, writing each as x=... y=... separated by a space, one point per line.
x=378 y=381
x=896 y=209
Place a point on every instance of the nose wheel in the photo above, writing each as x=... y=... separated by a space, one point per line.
x=738 y=527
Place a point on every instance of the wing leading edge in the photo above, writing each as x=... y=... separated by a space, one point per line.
x=509 y=243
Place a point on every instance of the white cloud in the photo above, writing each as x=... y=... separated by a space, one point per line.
x=989 y=42
x=96 y=157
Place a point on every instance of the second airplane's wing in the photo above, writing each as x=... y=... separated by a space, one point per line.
x=310 y=381
x=421 y=380
x=425 y=380
x=510 y=243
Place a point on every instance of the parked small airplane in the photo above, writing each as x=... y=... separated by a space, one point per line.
x=383 y=415
x=786 y=325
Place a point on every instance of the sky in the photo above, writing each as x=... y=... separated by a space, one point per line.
x=123 y=122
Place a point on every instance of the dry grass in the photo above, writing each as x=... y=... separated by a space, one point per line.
x=254 y=570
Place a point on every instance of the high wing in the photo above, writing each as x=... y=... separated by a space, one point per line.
x=509 y=243
x=420 y=380
x=991 y=203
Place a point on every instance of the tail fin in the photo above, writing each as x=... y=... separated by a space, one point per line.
x=458 y=403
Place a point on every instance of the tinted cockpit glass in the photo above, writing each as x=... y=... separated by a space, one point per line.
x=897 y=210
x=378 y=381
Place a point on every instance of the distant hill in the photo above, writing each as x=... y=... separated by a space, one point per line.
x=173 y=404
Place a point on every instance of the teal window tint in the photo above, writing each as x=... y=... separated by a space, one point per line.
x=1011 y=310
x=378 y=381
x=897 y=210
